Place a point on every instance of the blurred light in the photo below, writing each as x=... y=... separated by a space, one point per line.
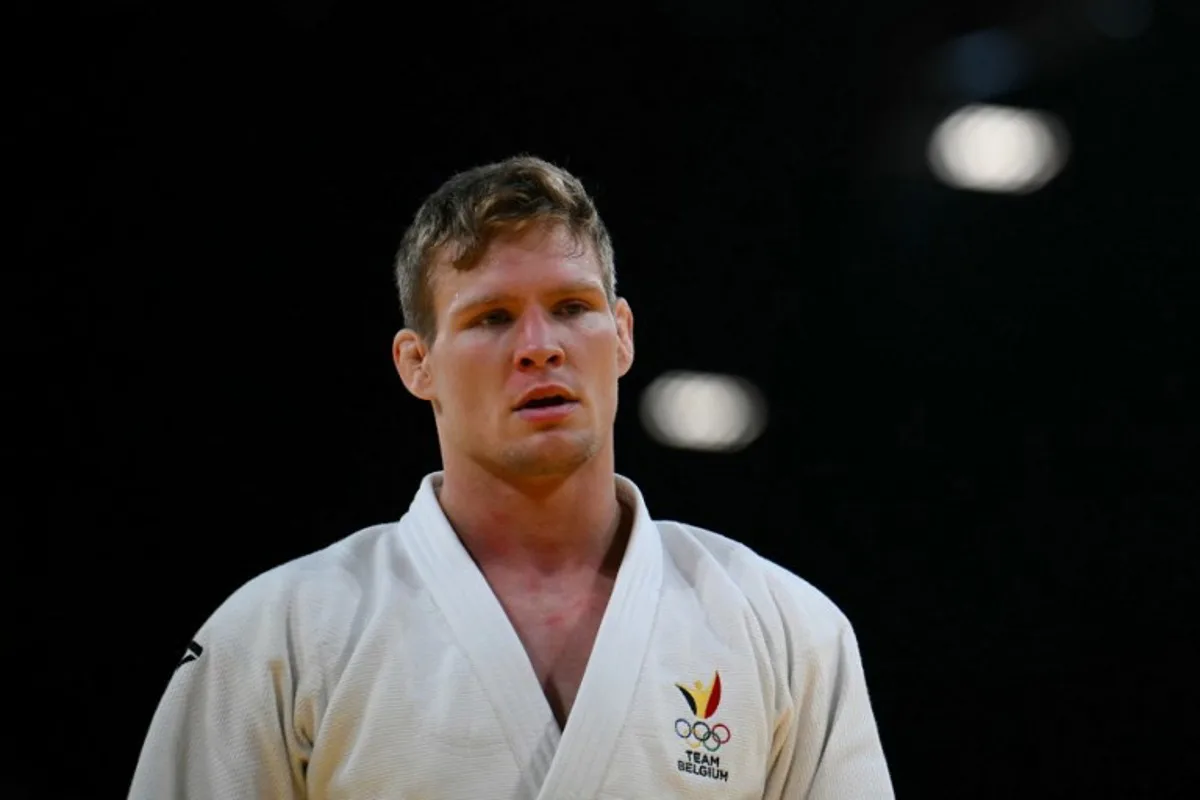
x=982 y=64
x=699 y=411
x=1120 y=19
x=988 y=148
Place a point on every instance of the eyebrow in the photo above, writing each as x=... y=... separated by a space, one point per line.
x=499 y=298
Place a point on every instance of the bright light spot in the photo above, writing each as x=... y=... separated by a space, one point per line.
x=987 y=148
x=699 y=411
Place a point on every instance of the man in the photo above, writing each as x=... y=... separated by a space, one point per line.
x=525 y=630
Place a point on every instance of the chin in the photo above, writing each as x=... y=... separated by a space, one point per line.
x=550 y=455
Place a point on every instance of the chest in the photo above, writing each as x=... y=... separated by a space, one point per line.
x=435 y=703
x=559 y=635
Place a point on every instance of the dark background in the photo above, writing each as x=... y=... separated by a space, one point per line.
x=983 y=425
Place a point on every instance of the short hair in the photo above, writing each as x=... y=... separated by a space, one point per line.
x=459 y=220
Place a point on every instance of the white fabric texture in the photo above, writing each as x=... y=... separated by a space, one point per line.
x=384 y=667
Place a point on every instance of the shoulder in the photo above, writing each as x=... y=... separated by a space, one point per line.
x=304 y=596
x=791 y=610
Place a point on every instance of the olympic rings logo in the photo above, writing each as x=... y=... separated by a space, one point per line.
x=700 y=733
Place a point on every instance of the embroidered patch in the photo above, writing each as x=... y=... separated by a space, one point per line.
x=703 y=735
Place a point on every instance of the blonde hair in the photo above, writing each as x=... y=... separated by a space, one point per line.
x=459 y=220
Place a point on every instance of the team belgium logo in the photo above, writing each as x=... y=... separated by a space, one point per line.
x=703 y=735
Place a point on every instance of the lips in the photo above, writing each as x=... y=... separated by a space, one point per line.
x=549 y=404
x=546 y=396
x=544 y=402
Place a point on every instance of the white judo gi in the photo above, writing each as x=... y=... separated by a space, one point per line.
x=384 y=667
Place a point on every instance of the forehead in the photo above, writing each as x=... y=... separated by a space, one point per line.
x=537 y=259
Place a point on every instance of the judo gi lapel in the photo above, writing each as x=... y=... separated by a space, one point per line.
x=606 y=693
x=554 y=765
x=486 y=636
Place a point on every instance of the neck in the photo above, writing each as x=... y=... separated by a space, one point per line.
x=562 y=525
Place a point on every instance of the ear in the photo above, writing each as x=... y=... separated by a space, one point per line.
x=624 y=317
x=411 y=356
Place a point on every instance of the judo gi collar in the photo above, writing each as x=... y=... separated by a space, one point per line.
x=570 y=763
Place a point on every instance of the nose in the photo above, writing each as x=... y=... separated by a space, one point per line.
x=537 y=344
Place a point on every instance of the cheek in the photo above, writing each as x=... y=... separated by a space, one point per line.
x=462 y=377
x=600 y=338
x=461 y=387
x=604 y=365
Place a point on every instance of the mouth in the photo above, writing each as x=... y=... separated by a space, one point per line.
x=545 y=402
x=547 y=409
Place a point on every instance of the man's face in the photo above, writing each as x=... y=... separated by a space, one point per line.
x=530 y=317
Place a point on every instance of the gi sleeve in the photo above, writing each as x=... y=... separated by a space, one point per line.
x=225 y=728
x=828 y=745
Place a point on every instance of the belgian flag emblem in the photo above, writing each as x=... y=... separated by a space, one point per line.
x=702 y=700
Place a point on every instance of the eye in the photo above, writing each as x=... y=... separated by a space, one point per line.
x=494 y=318
x=573 y=308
